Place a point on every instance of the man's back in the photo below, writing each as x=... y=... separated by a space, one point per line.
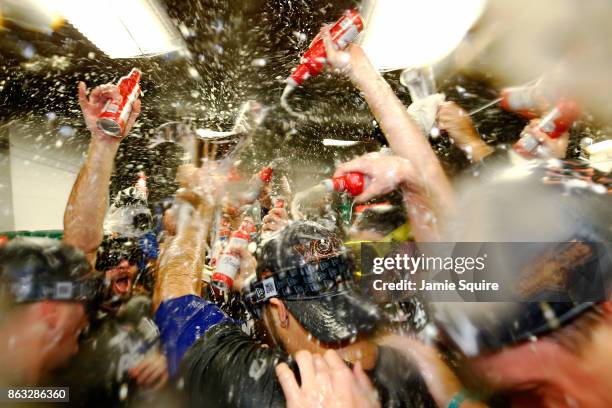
x=227 y=368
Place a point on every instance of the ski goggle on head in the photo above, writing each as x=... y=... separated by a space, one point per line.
x=114 y=250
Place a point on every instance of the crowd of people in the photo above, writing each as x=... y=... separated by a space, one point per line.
x=130 y=318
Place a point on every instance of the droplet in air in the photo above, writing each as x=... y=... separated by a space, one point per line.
x=66 y=131
x=28 y=51
x=123 y=392
x=193 y=73
x=259 y=62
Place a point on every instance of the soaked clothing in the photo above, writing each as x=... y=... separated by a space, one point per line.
x=181 y=321
x=221 y=366
x=227 y=368
x=116 y=341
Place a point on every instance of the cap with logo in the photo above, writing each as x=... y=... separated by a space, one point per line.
x=307 y=267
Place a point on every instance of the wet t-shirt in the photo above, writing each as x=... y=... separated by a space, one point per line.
x=182 y=321
x=227 y=368
x=117 y=340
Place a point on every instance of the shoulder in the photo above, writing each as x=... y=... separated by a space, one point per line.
x=227 y=359
x=182 y=321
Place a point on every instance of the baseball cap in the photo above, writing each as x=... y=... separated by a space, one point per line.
x=558 y=210
x=307 y=267
x=36 y=269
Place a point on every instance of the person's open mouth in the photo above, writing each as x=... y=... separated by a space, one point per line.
x=122 y=284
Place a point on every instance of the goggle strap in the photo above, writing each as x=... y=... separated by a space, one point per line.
x=24 y=291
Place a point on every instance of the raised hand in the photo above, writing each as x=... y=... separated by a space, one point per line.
x=275 y=220
x=351 y=62
x=93 y=105
x=326 y=382
x=556 y=147
x=385 y=173
x=248 y=265
x=456 y=122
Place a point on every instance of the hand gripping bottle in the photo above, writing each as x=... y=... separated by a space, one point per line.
x=278 y=201
x=342 y=33
x=223 y=231
x=555 y=123
x=114 y=117
x=352 y=183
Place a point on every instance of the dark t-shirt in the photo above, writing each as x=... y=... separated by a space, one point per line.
x=227 y=368
x=117 y=341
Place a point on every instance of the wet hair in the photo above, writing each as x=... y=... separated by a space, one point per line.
x=383 y=222
x=577 y=334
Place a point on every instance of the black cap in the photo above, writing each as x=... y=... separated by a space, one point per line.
x=307 y=267
x=35 y=269
x=561 y=210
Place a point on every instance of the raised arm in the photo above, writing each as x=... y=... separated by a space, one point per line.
x=180 y=266
x=459 y=126
x=88 y=200
x=401 y=132
x=443 y=384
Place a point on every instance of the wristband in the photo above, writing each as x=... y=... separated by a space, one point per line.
x=460 y=397
x=457 y=399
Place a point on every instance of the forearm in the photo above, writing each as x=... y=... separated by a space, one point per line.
x=403 y=136
x=181 y=264
x=479 y=151
x=444 y=386
x=425 y=220
x=471 y=144
x=441 y=381
x=88 y=201
x=427 y=212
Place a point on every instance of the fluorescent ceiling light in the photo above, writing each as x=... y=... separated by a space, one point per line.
x=600 y=155
x=340 y=143
x=35 y=15
x=601 y=147
x=213 y=134
x=404 y=34
x=123 y=28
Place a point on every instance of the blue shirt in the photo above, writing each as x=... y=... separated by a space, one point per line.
x=181 y=321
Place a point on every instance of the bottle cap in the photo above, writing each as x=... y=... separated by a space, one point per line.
x=221 y=282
